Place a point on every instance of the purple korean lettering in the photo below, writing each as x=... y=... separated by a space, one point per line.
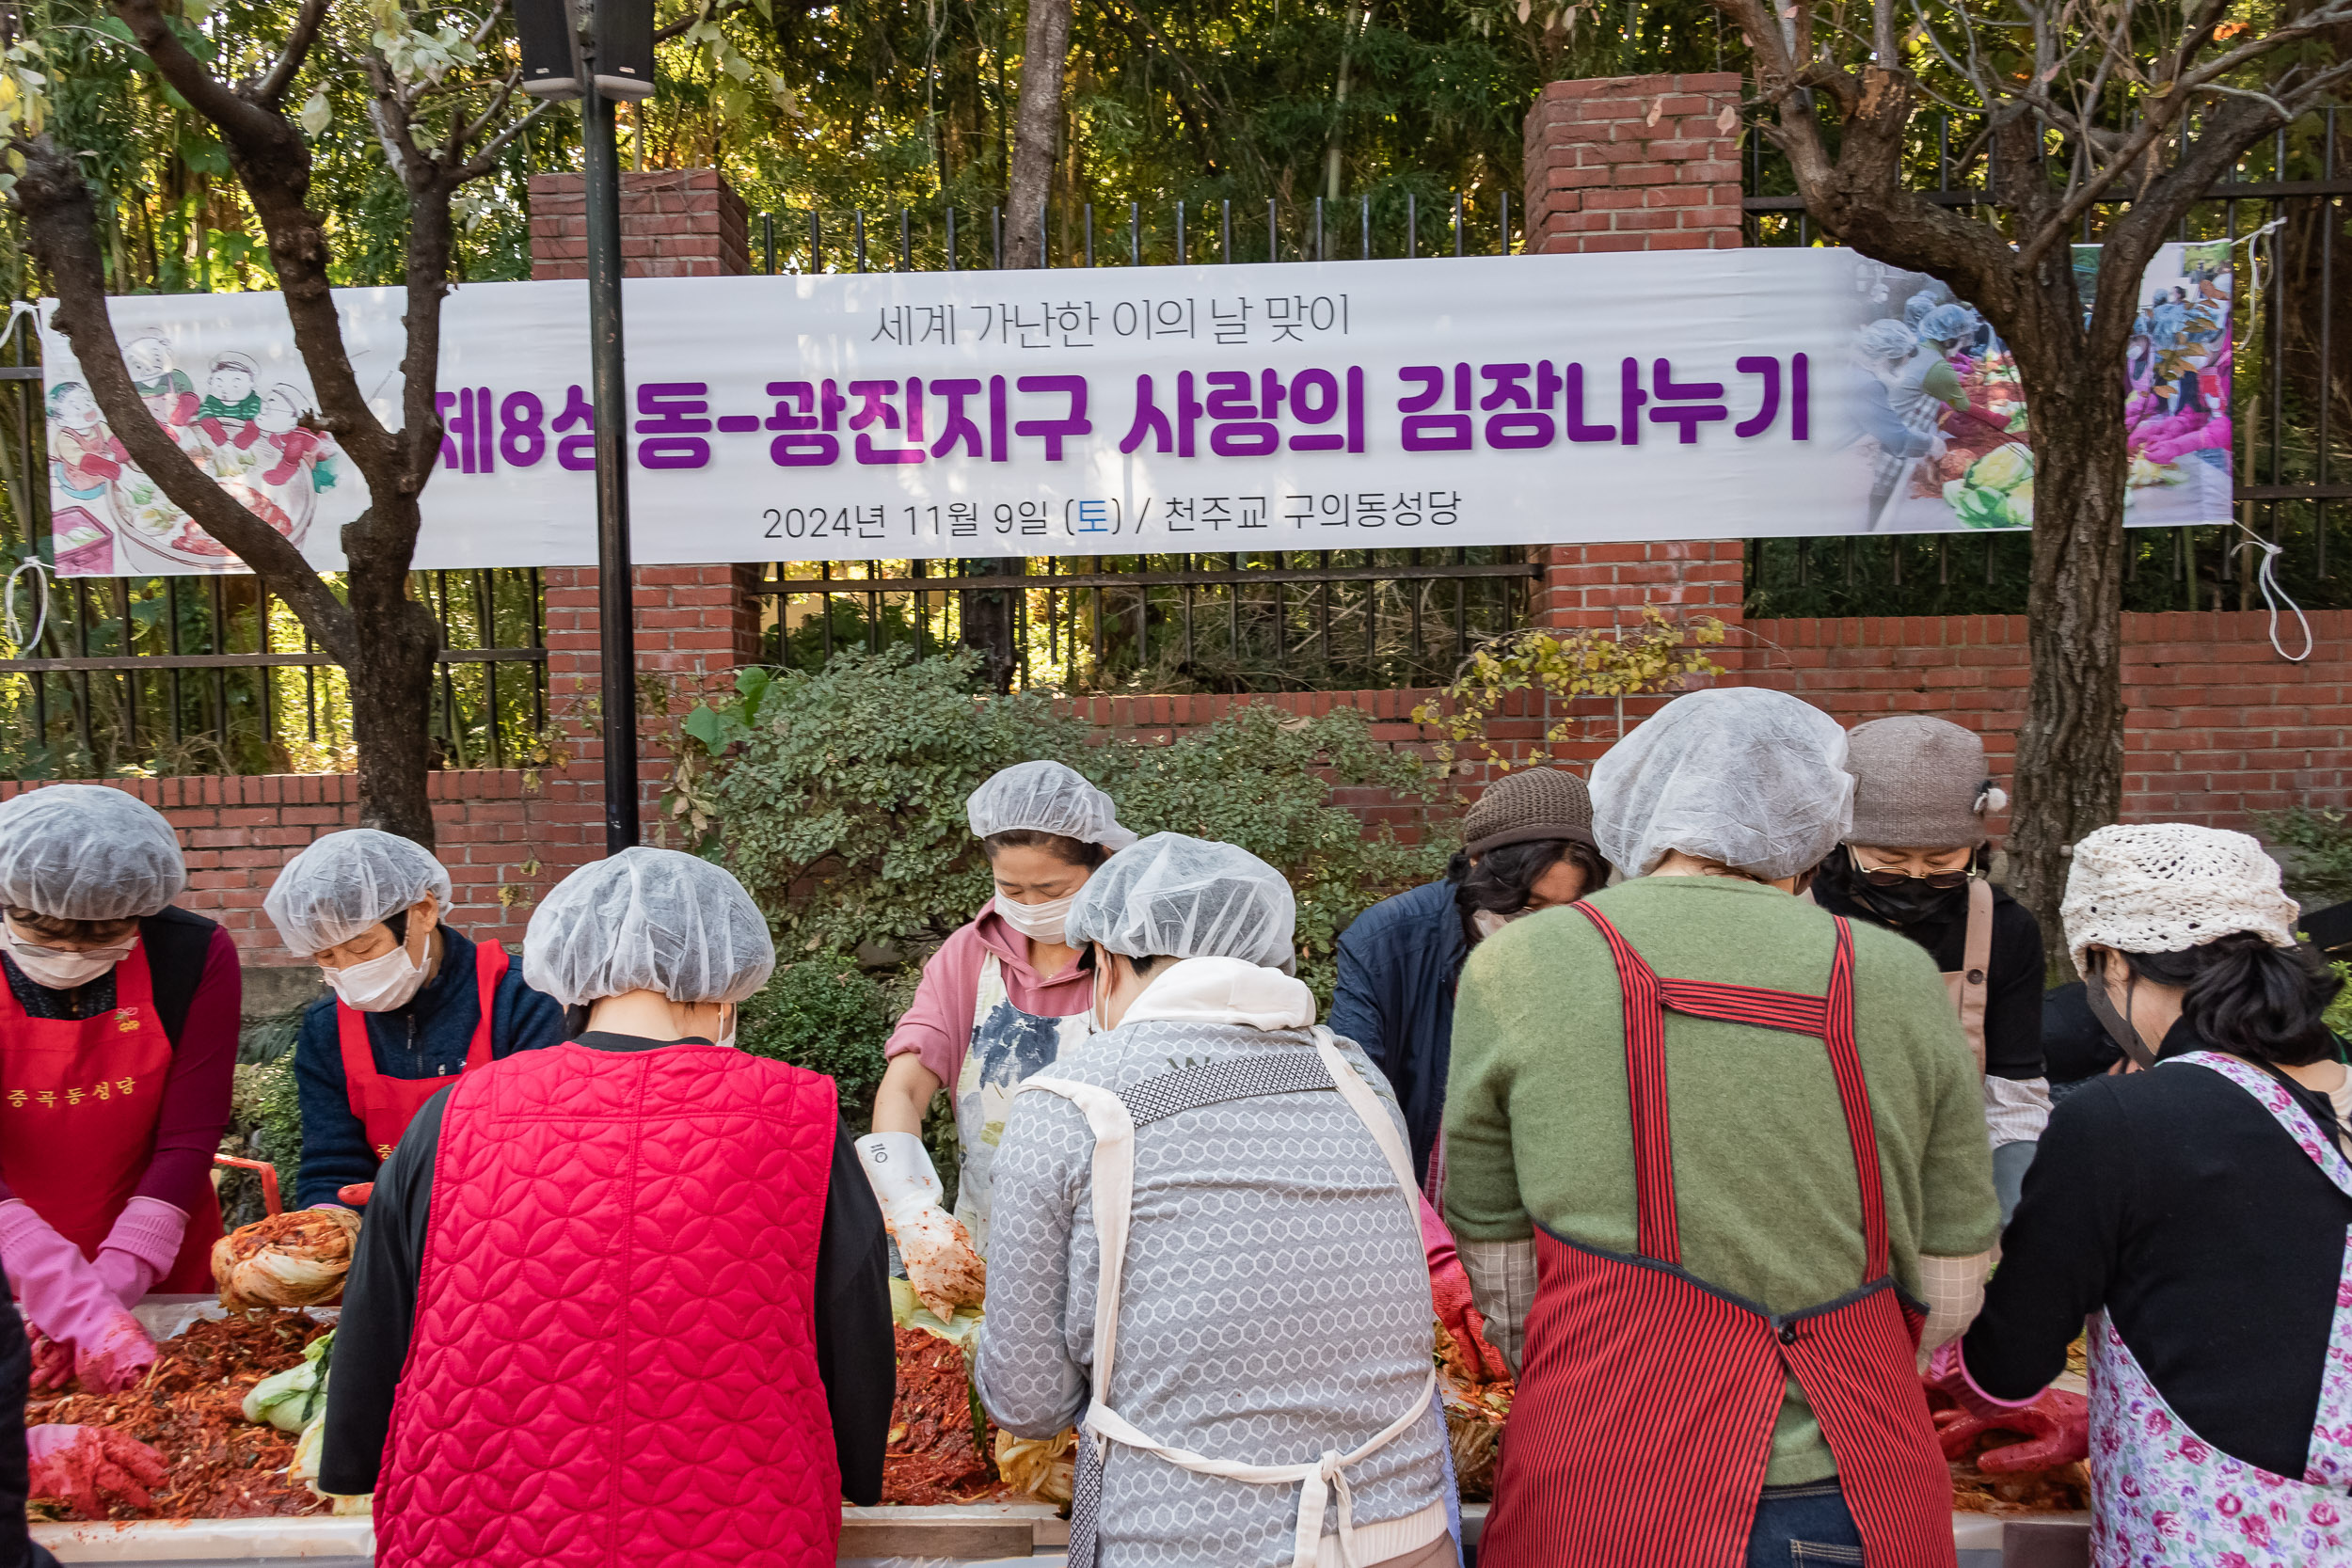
x=1630 y=399
x=807 y=414
x=1243 y=414
x=1526 y=422
x=956 y=425
x=1154 y=423
x=875 y=408
x=467 y=444
x=1431 y=432
x=1684 y=403
x=576 y=454
x=1072 y=422
x=678 y=436
x=1572 y=410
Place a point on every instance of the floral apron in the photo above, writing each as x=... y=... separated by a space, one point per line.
x=2161 y=1497
x=1008 y=1046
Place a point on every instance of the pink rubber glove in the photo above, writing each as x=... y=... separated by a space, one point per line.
x=1948 y=1375
x=140 y=1248
x=81 y=1465
x=1475 y=1359
x=2057 y=1425
x=65 y=1298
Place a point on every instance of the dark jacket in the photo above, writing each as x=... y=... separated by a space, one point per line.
x=427 y=1039
x=1399 y=963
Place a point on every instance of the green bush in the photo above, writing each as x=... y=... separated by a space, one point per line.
x=826 y=1016
x=1263 y=780
x=2317 y=846
x=838 y=797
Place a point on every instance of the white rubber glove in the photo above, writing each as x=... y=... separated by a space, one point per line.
x=932 y=1243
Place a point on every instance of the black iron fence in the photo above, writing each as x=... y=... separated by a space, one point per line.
x=2282 y=211
x=1265 y=621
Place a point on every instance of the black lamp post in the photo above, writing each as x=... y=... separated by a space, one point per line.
x=601 y=51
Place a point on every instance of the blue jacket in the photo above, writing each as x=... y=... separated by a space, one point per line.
x=1398 y=966
x=427 y=1039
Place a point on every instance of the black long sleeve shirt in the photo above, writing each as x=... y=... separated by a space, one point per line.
x=2013 y=1001
x=2175 y=1202
x=856 y=1350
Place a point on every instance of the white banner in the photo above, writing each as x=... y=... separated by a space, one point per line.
x=1348 y=405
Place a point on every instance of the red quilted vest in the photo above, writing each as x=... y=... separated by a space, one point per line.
x=612 y=1361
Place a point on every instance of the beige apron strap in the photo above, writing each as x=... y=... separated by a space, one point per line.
x=1967 y=985
x=1114 y=1192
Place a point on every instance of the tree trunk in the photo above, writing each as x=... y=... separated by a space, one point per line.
x=987 y=621
x=2069 y=768
x=392 y=702
x=1039 y=119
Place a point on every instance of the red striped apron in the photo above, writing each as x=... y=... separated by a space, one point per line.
x=1647 y=1397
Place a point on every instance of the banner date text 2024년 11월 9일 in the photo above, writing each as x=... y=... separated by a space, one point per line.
x=1344 y=406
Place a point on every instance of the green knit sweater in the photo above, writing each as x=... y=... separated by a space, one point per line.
x=1536 y=1119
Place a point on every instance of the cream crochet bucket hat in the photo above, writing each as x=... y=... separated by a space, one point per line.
x=2165 y=887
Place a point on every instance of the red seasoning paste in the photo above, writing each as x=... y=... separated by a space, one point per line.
x=190 y=1409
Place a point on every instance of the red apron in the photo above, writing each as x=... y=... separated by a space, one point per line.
x=82 y=1096
x=1646 y=1397
x=386 y=1106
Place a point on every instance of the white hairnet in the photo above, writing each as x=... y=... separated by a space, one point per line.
x=1170 y=896
x=647 y=919
x=1752 y=779
x=1046 y=797
x=86 y=852
x=346 y=882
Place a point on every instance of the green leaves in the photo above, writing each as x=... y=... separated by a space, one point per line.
x=837 y=797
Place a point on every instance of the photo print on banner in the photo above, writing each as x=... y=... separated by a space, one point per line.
x=1940 y=417
x=1344 y=405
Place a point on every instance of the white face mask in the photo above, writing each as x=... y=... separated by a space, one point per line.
x=380 y=983
x=1488 y=922
x=59 y=970
x=1038 y=922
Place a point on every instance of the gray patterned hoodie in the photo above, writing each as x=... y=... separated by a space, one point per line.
x=1276 y=1304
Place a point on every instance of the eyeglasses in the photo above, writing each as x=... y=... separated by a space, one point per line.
x=1892 y=877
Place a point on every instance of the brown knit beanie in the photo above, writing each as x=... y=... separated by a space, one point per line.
x=1919 y=783
x=1540 y=804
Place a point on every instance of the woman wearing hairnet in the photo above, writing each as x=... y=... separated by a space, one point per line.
x=649 y=1317
x=415 y=1000
x=118 y=1041
x=1207 y=1248
x=1709 y=1150
x=1007 y=995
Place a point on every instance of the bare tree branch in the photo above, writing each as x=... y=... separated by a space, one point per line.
x=61 y=223
x=486 y=159
x=272 y=163
x=269 y=91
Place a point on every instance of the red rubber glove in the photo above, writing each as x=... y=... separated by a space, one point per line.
x=1477 y=1359
x=81 y=1466
x=356 y=1195
x=53 y=1363
x=2057 y=1425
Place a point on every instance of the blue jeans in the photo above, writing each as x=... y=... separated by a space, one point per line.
x=1803 y=1526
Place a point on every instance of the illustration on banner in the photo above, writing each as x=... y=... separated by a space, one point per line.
x=1937 y=411
x=110 y=518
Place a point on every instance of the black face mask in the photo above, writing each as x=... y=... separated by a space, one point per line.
x=1913 y=903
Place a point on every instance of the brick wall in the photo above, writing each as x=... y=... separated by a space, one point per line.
x=2217 y=726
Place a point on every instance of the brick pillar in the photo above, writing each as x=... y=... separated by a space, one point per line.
x=695 y=624
x=1637 y=162
x=675 y=223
